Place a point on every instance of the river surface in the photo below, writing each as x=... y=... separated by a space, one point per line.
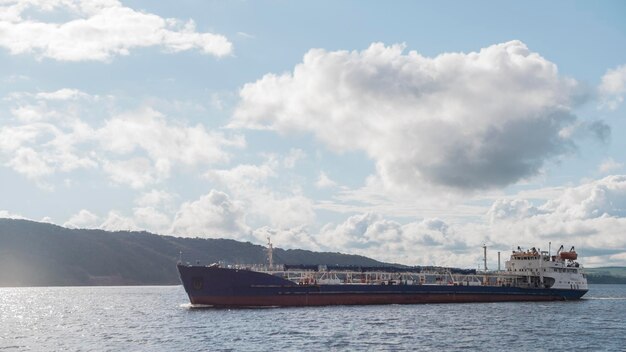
x=159 y=318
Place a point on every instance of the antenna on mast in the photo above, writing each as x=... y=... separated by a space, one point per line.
x=270 y=252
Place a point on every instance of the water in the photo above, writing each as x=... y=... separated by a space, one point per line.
x=160 y=319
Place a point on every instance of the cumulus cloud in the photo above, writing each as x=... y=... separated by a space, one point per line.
x=466 y=121
x=212 y=215
x=97 y=30
x=162 y=140
x=152 y=219
x=613 y=87
x=427 y=242
x=115 y=221
x=136 y=148
x=26 y=161
x=604 y=197
x=142 y=218
x=283 y=206
x=293 y=238
x=591 y=216
x=58 y=154
x=84 y=219
x=5 y=214
x=164 y=143
x=40 y=140
x=511 y=209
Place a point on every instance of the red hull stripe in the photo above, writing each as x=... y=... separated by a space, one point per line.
x=359 y=299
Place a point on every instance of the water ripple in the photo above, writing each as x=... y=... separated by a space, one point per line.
x=160 y=318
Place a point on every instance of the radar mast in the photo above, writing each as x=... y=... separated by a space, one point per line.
x=270 y=252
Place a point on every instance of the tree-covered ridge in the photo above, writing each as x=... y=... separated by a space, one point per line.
x=41 y=254
x=606 y=275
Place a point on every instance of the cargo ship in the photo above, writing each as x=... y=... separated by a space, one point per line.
x=529 y=275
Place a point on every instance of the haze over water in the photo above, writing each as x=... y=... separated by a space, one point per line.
x=160 y=318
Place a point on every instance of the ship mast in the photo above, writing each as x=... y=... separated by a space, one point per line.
x=485 y=255
x=498 y=261
x=270 y=252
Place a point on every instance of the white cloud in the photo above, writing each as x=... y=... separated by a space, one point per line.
x=155 y=198
x=84 y=219
x=136 y=148
x=39 y=149
x=98 y=30
x=609 y=165
x=28 y=113
x=613 y=87
x=26 y=161
x=591 y=216
x=118 y=222
x=511 y=209
x=114 y=221
x=152 y=219
x=293 y=238
x=142 y=218
x=323 y=181
x=362 y=231
x=164 y=142
x=282 y=206
x=244 y=175
x=212 y=215
x=40 y=140
x=62 y=94
x=427 y=242
x=604 y=197
x=466 y=121
x=5 y=214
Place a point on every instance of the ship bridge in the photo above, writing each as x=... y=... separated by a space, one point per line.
x=539 y=268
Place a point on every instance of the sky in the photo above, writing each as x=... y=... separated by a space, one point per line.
x=411 y=132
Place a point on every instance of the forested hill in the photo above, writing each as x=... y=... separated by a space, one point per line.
x=41 y=254
x=607 y=275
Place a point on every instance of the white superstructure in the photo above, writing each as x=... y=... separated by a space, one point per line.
x=540 y=269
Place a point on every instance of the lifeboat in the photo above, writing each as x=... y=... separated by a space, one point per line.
x=569 y=255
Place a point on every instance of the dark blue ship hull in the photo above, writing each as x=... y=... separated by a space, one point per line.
x=244 y=288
